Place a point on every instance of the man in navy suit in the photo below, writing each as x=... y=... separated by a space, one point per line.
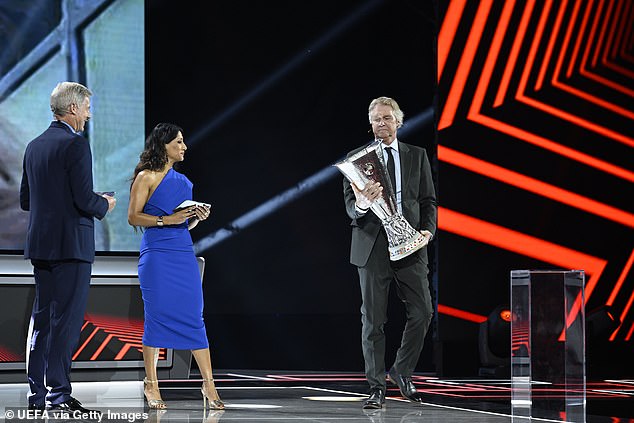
x=57 y=190
x=416 y=200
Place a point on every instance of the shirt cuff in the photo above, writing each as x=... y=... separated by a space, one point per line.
x=360 y=210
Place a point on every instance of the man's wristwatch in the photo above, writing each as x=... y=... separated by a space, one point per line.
x=159 y=221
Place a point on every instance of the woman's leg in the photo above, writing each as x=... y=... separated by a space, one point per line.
x=203 y=359
x=150 y=384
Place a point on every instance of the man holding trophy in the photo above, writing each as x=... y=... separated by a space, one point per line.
x=390 y=197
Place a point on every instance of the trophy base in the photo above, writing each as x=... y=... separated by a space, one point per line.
x=405 y=249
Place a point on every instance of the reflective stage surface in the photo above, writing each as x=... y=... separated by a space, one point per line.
x=261 y=396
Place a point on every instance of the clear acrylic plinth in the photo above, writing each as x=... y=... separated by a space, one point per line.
x=548 y=371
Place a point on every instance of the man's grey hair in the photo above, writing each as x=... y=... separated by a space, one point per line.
x=65 y=94
x=387 y=101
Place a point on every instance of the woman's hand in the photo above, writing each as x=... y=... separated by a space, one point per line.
x=180 y=216
x=202 y=212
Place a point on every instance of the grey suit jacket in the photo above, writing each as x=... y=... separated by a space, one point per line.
x=418 y=198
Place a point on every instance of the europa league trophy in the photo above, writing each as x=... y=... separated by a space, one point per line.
x=367 y=166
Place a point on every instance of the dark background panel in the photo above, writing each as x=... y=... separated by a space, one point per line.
x=269 y=94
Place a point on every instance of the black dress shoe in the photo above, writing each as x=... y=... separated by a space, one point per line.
x=376 y=399
x=405 y=385
x=37 y=406
x=71 y=405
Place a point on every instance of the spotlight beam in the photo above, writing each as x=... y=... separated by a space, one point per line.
x=292 y=194
x=283 y=71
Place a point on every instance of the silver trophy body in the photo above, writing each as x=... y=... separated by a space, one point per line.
x=366 y=166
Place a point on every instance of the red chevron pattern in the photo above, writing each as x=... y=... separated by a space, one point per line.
x=536 y=106
x=111 y=338
x=7 y=355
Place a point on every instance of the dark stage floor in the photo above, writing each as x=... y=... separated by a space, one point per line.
x=261 y=396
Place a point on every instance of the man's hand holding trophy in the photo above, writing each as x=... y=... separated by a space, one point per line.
x=367 y=195
x=366 y=169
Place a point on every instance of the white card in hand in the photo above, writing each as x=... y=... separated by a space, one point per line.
x=191 y=203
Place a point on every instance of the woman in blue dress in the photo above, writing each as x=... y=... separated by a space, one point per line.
x=168 y=272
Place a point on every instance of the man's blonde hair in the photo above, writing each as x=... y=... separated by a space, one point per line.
x=387 y=101
x=65 y=94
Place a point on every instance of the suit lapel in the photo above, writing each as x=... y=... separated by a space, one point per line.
x=406 y=164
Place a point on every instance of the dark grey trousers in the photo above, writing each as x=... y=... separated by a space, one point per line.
x=410 y=275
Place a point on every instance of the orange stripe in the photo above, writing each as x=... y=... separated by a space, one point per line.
x=122 y=352
x=532 y=52
x=572 y=315
x=617 y=288
x=623 y=314
x=602 y=34
x=448 y=31
x=535 y=186
x=515 y=51
x=542 y=142
x=571 y=24
x=607 y=82
x=584 y=61
x=602 y=130
x=620 y=31
x=593 y=31
x=629 y=334
x=551 y=42
x=507 y=239
x=618 y=68
x=101 y=347
x=596 y=100
x=553 y=110
x=554 y=147
x=582 y=30
x=609 y=43
x=604 y=58
x=628 y=34
x=464 y=67
x=489 y=64
x=465 y=315
x=80 y=349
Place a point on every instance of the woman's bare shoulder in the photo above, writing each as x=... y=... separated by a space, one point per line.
x=148 y=176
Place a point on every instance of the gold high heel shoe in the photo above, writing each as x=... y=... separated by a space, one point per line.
x=214 y=404
x=157 y=404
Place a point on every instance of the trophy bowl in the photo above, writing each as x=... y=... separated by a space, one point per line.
x=365 y=166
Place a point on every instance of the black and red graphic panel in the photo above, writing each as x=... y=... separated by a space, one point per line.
x=535 y=152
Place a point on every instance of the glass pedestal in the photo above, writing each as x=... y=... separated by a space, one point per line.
x=548 y=345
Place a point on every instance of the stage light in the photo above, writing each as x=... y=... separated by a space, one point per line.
x=494 y=343
x=300 y=189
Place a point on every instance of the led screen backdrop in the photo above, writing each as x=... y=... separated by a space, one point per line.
x=535 y=153
x=270 y=95
x=99 y=43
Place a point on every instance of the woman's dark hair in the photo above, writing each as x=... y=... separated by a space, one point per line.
x=154 y=155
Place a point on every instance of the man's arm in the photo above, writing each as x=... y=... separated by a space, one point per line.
x=427 y=197
x=350 y=200
x=79 y=165
x=358 y=201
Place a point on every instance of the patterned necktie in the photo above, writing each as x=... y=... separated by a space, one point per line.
x=391 y=169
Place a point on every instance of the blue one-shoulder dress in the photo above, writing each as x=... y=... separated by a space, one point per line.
x=168 y=272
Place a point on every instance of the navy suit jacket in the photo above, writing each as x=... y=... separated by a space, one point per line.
x=418 y=200
x=57 y=189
